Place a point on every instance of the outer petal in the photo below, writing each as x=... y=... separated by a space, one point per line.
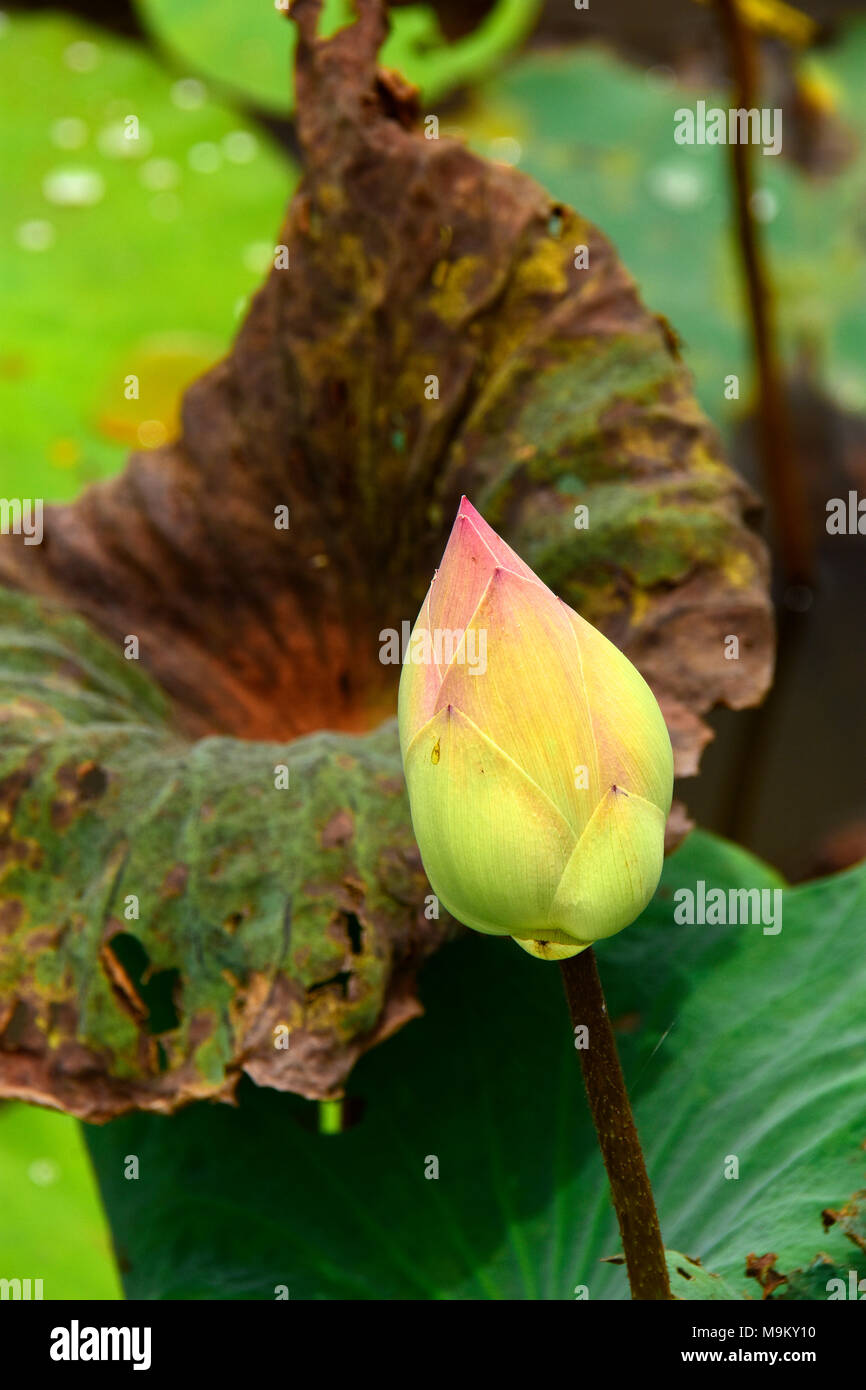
x=494 y=847
x=530 y=699
x=419 y=685
x=613 y=871
x=634 y=747
x=502 y=554
x=471 y=555
x=551 y=947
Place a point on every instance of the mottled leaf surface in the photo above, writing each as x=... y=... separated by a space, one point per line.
x=166 y=906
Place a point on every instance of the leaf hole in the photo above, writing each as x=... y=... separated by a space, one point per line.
x=341 y=978
x=158 y=990
x=355 y=933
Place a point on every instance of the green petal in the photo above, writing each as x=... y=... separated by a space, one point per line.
x=551 y=950
x=493 y=846
x=634 y=747
x=613 y=871
x=419 y=686
x=530 y=699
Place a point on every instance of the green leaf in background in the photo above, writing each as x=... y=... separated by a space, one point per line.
x=52 y=1226
x=816 y=1282
x=848 y=1271
x=118 y=256
x=598 y=133
x=249 y=48
x=690 y=1281
x=733 y=1042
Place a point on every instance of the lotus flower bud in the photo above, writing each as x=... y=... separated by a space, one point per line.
x=537 y=760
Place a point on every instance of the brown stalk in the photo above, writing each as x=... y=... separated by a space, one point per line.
x=617 y=1134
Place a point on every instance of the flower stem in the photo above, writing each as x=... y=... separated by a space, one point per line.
x=785 y=485
x=617 y=1134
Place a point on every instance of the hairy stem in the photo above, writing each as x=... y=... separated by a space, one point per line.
x=617 y=1134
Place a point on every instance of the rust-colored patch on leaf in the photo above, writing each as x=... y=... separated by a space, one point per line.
x=339 y=830
x=11 y=912
x=123 y=987
x=851 y=1219
x=77 y=784
x=763 y=1268
x=175 y=881
x=92 y=780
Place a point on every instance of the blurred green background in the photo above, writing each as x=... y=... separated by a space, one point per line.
x=52 y=1225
